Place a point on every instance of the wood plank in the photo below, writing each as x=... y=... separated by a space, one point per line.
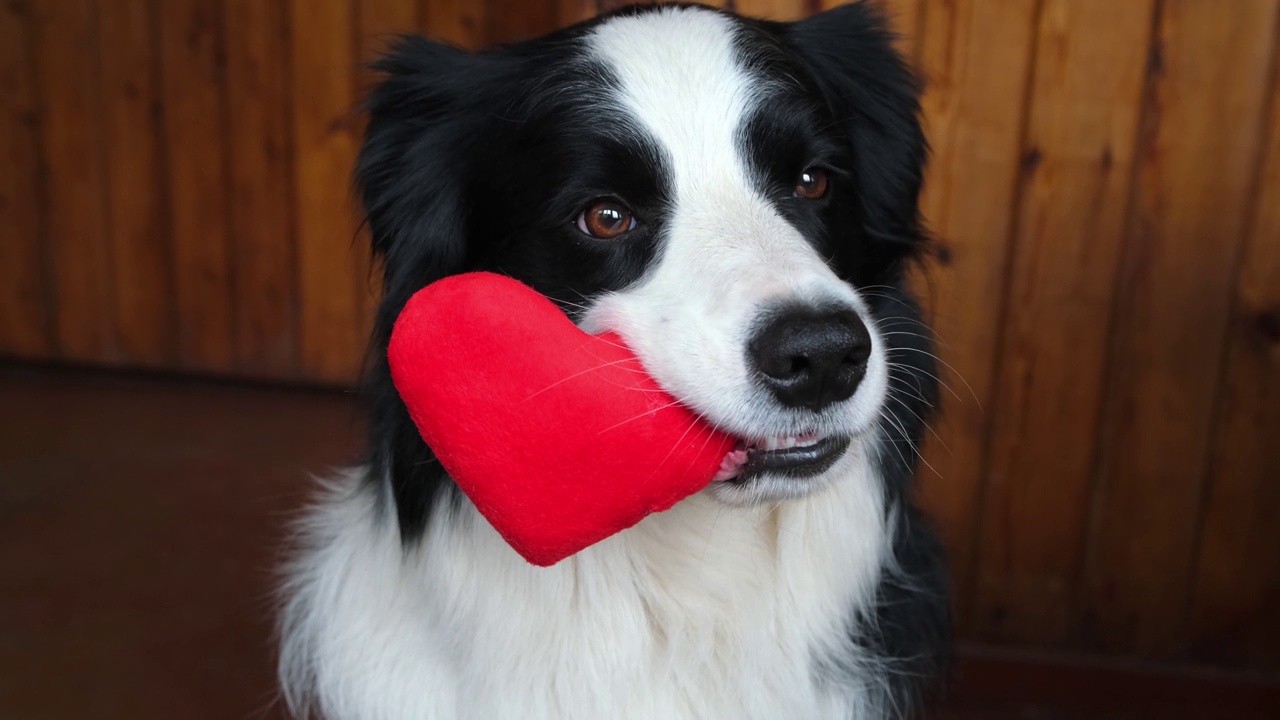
x=773 y=9
x=569 y=12
x=974 y=107
x=461 y=22
x=143 y=298
x=382 y=20
x=511 y=20
x=192 y=52
x=1197 y=162
x=323 y=101
x=1087 y=95
x=1237 y=584
x=25 y=320
x=67 y=64
x=261 y=196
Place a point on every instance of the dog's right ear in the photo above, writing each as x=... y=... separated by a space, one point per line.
x=411 y=170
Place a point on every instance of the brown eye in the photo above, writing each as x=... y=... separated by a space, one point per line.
x=606 y=219
x=812 y=184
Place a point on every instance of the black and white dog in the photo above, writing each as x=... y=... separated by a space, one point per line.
x=737 y=199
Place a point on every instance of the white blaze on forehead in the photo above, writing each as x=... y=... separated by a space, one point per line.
x=682 y=81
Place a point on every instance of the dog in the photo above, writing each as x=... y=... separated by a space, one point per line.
x=737 y=199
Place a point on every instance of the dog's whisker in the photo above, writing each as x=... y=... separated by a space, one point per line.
x=926 y=425
x=579 y=374
x=670 y=452
x=912 y=369
x=916 y=451
x=653 y=411
x=948 y=366
x=897 y=449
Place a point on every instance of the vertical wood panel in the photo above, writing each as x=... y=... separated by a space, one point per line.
x=461 y=22
x=176 y=193
x=324 y=153
x=382 y=18
x=1086 y=99
x=1196 y=164
x=1237 y=585
x=974 y=107
x=773 y=9
x=68 y=79
x=145 y=321
x=24 y=315
x=261 y=198
x=569 y=12
x=512 y=20
x=193 y=64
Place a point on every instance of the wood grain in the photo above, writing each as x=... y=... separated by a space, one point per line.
x=974 y=107
x=383 y=19
x=511 y=20
x=143 y=301
x=773 y=9
x=331 y=345
x=1197 y=160
x=66 y=61
x=25 y=318
x=261 y=196
x=1085 y=106
x=460 y=22
x=193 y=72
x=569 y=12
x=1237 y=583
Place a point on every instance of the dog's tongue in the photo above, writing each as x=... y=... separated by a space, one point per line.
x=731 y=466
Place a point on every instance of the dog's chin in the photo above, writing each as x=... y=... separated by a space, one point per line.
x=767 y=489
x=773 y=476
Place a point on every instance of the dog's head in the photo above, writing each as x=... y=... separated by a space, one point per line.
x=726 y=194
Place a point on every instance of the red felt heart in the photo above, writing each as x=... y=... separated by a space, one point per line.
x=559 y=438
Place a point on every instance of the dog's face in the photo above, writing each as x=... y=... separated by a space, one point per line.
x=721 y=193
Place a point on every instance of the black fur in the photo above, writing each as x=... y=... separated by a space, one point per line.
x=464 y=167
x=481 y=161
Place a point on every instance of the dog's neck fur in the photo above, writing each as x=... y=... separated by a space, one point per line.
x=702 y=611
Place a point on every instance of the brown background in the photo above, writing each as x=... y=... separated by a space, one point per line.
x=1105 y=179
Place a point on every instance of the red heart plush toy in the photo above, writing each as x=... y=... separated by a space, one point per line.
x=559 y=438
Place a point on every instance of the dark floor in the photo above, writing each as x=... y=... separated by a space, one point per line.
x=140 y=520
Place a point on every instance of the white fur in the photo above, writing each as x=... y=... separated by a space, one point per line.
x=729 y=254
x=704 y=611
x=700 y=612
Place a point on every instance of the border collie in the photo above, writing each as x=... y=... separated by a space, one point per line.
x=738 y=200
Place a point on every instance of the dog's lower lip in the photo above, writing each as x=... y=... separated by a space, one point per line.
x=796 y=462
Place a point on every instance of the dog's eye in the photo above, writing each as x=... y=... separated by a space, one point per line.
x=812 y=184
x=606 y=219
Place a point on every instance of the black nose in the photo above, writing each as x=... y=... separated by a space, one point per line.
x=811 y=357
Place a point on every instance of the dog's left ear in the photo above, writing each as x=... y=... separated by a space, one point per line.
x=849 y=52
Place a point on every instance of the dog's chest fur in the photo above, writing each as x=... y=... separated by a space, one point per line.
x=700 y=612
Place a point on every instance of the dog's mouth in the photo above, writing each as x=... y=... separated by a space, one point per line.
x=797 y=456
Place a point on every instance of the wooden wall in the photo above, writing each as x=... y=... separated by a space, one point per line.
x=1105 y=180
